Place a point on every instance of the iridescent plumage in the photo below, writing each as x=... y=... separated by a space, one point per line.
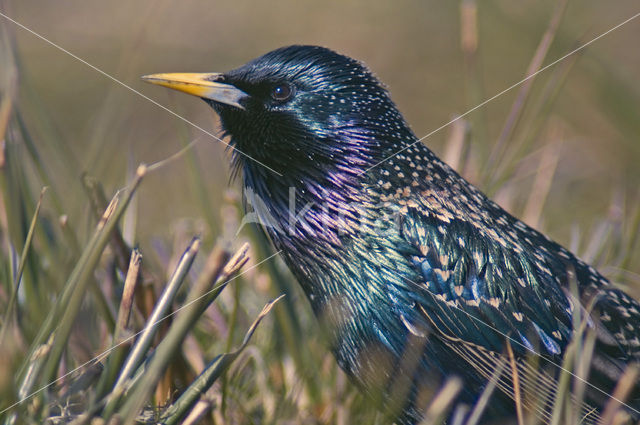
x=414 y=272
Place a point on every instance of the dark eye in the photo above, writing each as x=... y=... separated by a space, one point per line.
x=282 y=92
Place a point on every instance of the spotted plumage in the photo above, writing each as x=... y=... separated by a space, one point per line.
x=415 y=273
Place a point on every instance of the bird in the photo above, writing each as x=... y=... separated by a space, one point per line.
x=415 y=274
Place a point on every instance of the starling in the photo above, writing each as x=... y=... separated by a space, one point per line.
x=415 y=274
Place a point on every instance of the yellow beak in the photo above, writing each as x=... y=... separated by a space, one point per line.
x=201 y=85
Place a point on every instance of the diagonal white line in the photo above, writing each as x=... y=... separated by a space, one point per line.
x=106 y=352
x=163 y=162
x=534 y=352
x=114 y=79
x=528 y=77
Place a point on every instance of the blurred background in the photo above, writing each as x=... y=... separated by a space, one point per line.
x=567 y=161
x=413 y=47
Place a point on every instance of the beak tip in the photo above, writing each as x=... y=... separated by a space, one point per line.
x=149 y=78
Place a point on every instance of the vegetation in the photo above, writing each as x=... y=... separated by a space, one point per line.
x=110 y=311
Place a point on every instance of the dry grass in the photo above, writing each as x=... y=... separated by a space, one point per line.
x=81 y=276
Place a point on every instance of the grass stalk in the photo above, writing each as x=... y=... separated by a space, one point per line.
x=217 y=270
x=211 y=373
x=159 y=313
x=67 y=310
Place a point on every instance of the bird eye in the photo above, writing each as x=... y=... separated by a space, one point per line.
x=282 y=92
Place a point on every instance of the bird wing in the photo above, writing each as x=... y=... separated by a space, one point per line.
x=484 y=296
x=618 y=322
x=474 y=288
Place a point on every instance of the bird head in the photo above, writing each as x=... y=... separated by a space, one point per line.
x=306 y=112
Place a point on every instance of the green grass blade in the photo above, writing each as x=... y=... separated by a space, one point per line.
x=80 y=279
x=6 y=322
x=162 y=307
x=212 y=372
x=218 y=270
